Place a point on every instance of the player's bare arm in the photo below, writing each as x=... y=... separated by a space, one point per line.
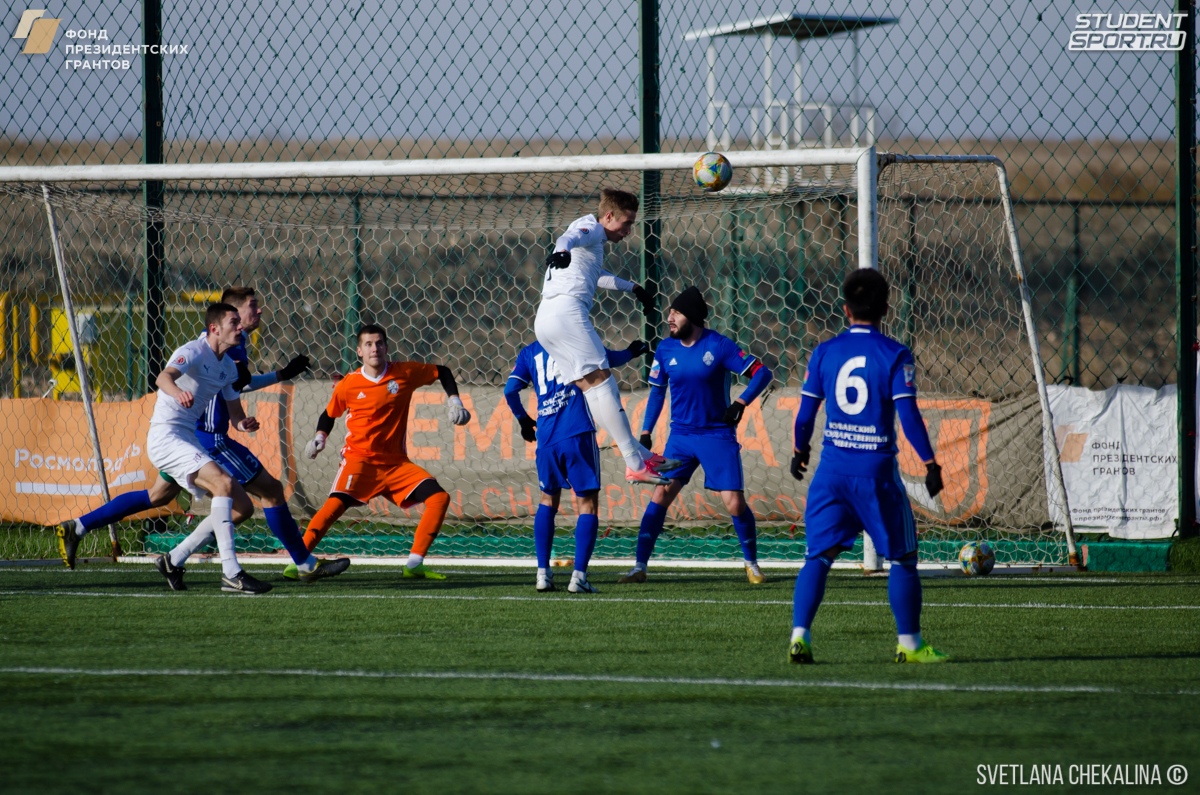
x=166 y=382
x=238 y=418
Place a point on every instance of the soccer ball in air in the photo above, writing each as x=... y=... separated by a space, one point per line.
x=712 y=171
x=976 y=558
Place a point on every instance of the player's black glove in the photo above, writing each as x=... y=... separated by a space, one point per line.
x=644 y=297
x=528 y=428
x=558 y=259
x=733 y=414
x=644 y=440
x=243 y=376
x=295 y=367
x=800 y=462
x=933 y=478
x=638 y=348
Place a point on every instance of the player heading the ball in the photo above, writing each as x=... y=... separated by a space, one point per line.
x=868 y=378
x=564 y=325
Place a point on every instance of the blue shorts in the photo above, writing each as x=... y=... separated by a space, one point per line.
x=839 y=507
x=235 y=459
x=572 y=463
x=720 y=457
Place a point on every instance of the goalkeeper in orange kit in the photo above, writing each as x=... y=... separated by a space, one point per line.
x=375 y=399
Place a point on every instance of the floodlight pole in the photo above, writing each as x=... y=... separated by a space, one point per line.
x=1185 y=265
x=651 y=226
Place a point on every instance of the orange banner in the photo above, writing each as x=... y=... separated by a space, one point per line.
x=48 y=472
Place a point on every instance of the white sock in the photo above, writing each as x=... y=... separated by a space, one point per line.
x=801 y=633
x=578 y=576
x=639 y=566
x=414 y=560
x=543 y=572
x=604 y=403
x=196 y=539
x=222 y=517
x=307 y=566
x=80 y=530
x=910 y=642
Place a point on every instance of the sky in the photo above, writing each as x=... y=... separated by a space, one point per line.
x=527 y=70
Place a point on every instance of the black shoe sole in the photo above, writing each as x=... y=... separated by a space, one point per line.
x=67 y=550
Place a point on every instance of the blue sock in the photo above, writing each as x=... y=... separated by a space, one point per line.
x=810 y=590
x=904 y=595
x=116 y=509
x=283 y=527
x=652 y=527
x=747 y=535
x=586 y=530
x=543 y=534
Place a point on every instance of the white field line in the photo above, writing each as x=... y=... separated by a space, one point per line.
x=591 y=600
x=375 y=565
x=589 y=679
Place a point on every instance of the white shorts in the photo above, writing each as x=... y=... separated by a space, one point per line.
x=175 y=451
x=564 y=327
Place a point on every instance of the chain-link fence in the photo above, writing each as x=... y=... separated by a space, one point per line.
x=1088 y=139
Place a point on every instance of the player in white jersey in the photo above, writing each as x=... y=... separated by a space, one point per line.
x=564 y=325
x=194 y=375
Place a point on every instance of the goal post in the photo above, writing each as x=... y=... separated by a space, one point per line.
x=447 y=255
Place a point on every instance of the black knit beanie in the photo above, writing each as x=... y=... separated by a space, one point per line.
x=690 y=303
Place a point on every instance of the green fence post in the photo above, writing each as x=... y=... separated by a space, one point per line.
x=152 y=191
x=1070 y=350
x=1185 y=265
x=353 y=294
x=648 y=117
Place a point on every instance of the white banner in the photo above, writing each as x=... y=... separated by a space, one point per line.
x=1119 y=458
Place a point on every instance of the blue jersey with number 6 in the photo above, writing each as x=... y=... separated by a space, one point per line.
x=860 y=374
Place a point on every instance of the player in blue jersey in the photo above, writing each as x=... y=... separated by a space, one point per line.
x=697 y=365
x=866 y=379
x=212 y=432
x=566 y=454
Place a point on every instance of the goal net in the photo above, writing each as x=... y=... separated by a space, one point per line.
x=448 y=257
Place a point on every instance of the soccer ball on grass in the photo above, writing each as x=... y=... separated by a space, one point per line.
x=976 y=558
x=712 y=171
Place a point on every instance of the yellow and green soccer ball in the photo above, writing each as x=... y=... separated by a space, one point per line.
x=976 y=558
x=712 y=171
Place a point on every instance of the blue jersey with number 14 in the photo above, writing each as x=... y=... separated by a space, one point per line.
x=860 y=374
x=562 y=410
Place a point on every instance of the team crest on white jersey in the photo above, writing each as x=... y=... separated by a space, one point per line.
x=393 y=388
x=709 y=358
x=362 y=395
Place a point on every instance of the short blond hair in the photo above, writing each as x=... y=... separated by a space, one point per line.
x=617 y=201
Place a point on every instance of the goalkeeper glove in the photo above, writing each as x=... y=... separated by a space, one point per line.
x=800 y=462
x=559 y=259
x=645 y=297
x=315 y=446
x=295 y=367
x=733 y=414
x=528 y=428
x=638 y=348
x=644 y=440
x=933 y=478
x=458 y=413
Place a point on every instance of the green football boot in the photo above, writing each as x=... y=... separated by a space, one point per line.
x=422 y=572
x=925 y=654
x=800 y=653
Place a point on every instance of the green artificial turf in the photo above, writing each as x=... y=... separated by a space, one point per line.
x=371 y=683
